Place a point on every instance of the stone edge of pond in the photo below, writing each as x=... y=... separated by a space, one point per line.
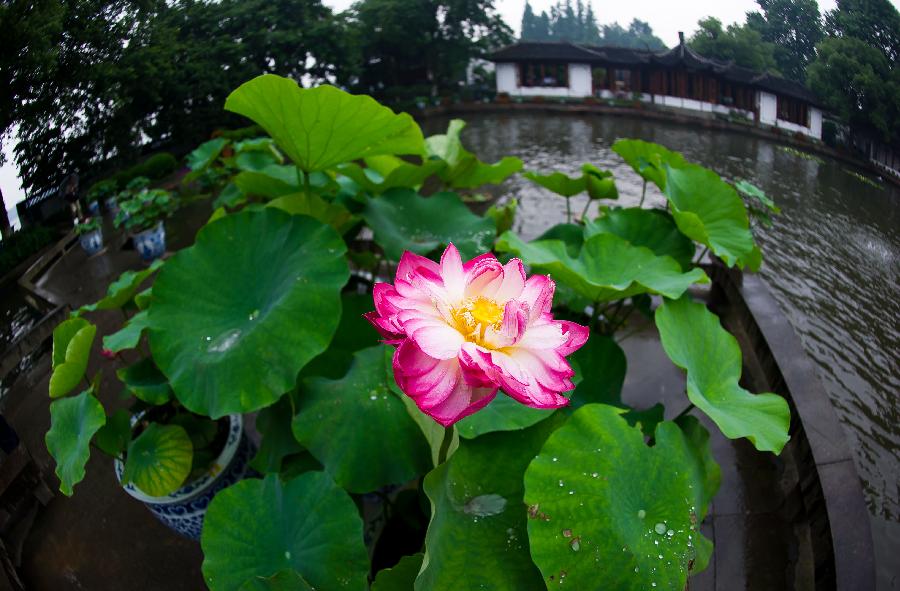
x=830 y=488
x=658 y=113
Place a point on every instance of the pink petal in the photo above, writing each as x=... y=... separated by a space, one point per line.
x=538 y=294
x=413 y=264
x=432 y=334
x=437 y=386
x=509 y=285
x=485 y=270
x=391 y=333
x=576 y=334
x=454 y=278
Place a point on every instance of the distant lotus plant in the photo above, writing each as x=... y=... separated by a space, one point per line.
x=489 y=389
x=465 y=330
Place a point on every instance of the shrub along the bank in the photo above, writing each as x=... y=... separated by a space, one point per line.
x=23 y=244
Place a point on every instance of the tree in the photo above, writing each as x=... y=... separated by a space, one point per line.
x=578 y=24
x=794 y=27
x=105 y=77
x=875 y=22
x=529 y=22
x=856 y=81
x=406 y=42
x=738 y=43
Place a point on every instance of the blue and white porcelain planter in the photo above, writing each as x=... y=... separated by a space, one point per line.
x=183 y=510
x=112 y=205
x=94 y=207
x=92 y=242
x=151 y=244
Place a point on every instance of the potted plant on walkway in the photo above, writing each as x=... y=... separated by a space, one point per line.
x=142 y=216
x=90 y=235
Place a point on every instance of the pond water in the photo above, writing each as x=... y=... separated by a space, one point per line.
x=832 y=261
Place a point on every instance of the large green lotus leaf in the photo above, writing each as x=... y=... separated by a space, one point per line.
x=159 y=459
x=502 y=414
x=433 y=431
x=122 y=290
x=400 y=577
x=707 y=470
x=205 y=154
x=335 y=215
x=278 y=442
x=404 y=220
x=478 y=519
x=146 y=382
x=651 y=228
x=354 y=332
x=254 y=161
x=607 y=268
x=389 y=172
x=321 y=127
x=257 y=528
x=73 y=421
x=600 y=184
x=129 y=335
x=571 y=234
x=750 y=190
x=608 y=512
x=695 y=341
x=389 y=450
x=72 y=341
x=273 y=181
x=503 y=216
x=464 y=170
x=236 y=316
x=648 y=159
x=603 y=367
x=113 y=437
x=63 y=334
x=709 y=210
x=558 y=182
x=285 y=580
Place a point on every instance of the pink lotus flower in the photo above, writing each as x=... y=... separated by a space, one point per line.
x=463 y=331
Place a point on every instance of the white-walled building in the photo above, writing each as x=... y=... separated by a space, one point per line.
x=677 y=78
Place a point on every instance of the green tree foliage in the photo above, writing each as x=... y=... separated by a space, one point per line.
x=876 y=22
x=102 y=77
x=416 y=42
x=638 y=35
x=794 y=27
x=741 y=44
x=55 y=70
x=578 y=24
x=856 y=81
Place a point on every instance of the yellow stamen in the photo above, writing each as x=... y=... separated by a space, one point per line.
x=475 y=316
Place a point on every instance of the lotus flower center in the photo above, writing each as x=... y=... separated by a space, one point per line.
x=475 y=316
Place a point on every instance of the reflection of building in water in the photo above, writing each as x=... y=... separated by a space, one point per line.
x=677 y=78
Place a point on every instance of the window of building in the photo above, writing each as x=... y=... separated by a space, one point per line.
x=543 y=75
x=793 y=111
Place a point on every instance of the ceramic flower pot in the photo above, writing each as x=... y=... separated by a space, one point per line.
x=184 y=509
x=92 y=242
x=151 y=244
x=112 y=206
x=94 y=207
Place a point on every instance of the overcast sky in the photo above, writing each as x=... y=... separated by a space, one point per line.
x=667 y=17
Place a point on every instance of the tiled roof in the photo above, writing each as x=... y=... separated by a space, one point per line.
x=681 y=55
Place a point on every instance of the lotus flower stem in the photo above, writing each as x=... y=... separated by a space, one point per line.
x=643 y=193
x=445 y=444
x=568 y=211
x=584 y=211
